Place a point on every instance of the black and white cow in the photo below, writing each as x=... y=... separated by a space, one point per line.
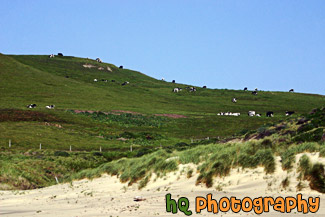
x=173 y=81
x=50 y=106
x=245 y=89
x=258 y=115
x=177 y=89
x=60 y=54
x=269 y=114
x=192 y=89
x=95 y=80
x=113 y=80
x=288 y=113
x=234 y=100
x=98 y=60
x=251 y=113
x=51 y=56
x=121 y=67
x=254 y=92
x=125 y=83
x=256 y=89
x=204 y=86
x=31 y=106
x=291 y=90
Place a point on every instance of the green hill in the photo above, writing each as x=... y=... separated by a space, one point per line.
x=118 y=116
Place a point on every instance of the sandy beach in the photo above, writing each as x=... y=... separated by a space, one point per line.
x=106 y=196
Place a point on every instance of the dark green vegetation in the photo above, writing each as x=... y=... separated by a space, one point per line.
x=90 y=116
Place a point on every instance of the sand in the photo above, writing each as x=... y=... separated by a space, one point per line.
x=106 y=196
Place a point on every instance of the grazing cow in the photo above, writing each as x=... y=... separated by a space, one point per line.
x=104 y=80
x=204 y=86
x=113 y=80
x=234 y=100
x=95 y=80
x=173 y=81
x=163 y=79
x=236 y=114
x=60 y=54
x=98 y=60
x=177 y=89
x=254 y=92
x=31 y=106
x=124 y=83
x=251 y=113
x=50 y=106
x=192 y=89
x=51 y=56
x=258 y=115
x=291 y=90
x=288 y=113
x=245 y=89
x=121 y=67
x=269 y=114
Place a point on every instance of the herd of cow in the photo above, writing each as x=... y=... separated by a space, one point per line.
x=190 y=89
x=34 y=106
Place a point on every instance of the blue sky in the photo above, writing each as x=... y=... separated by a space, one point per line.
x=272 y=45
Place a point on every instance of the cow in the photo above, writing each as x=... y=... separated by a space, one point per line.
x=251 y=113
x=98 y=60
x=31 y=106
x=60 y=54
x=125 y=83
x=258 y=115
x=288 y=113
x=104 y=80
x=67 y=76
x=51 y=56
x=163 y=79
x=112 y=80
x=291 y=90
x=256 y=89
x=192 y=89
x=234 y=100
x=173 y=81
x=245 y=89
x=236 y=114
x=121 y=67
x=95 y=80
x=204 y=87
x=269 y=114
x=177 y=89
x=50 y=106
x=254 y=92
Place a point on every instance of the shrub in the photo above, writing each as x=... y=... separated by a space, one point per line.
x=61 y=154
x=317 y=178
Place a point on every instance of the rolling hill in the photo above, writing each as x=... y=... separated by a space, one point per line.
x=90 y=116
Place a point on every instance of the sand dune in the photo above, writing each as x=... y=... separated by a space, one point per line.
x=106 y=196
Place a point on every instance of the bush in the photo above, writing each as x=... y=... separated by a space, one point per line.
x=311 y=136
x=317 y=178
x=61 y=154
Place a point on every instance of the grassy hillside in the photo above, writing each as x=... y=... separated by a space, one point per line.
x=118 y=116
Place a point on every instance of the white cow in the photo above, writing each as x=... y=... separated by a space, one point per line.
x=251 y=113
x=95 y=80
x=234 y=100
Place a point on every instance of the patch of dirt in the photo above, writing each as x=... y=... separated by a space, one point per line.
x=123 y=111
x=89 y=66
x=23 y=115
x=54 y=125
x=171 y=115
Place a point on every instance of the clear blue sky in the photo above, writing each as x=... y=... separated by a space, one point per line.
x=271 y=45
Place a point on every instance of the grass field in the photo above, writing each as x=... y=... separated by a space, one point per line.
x=119 y=117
